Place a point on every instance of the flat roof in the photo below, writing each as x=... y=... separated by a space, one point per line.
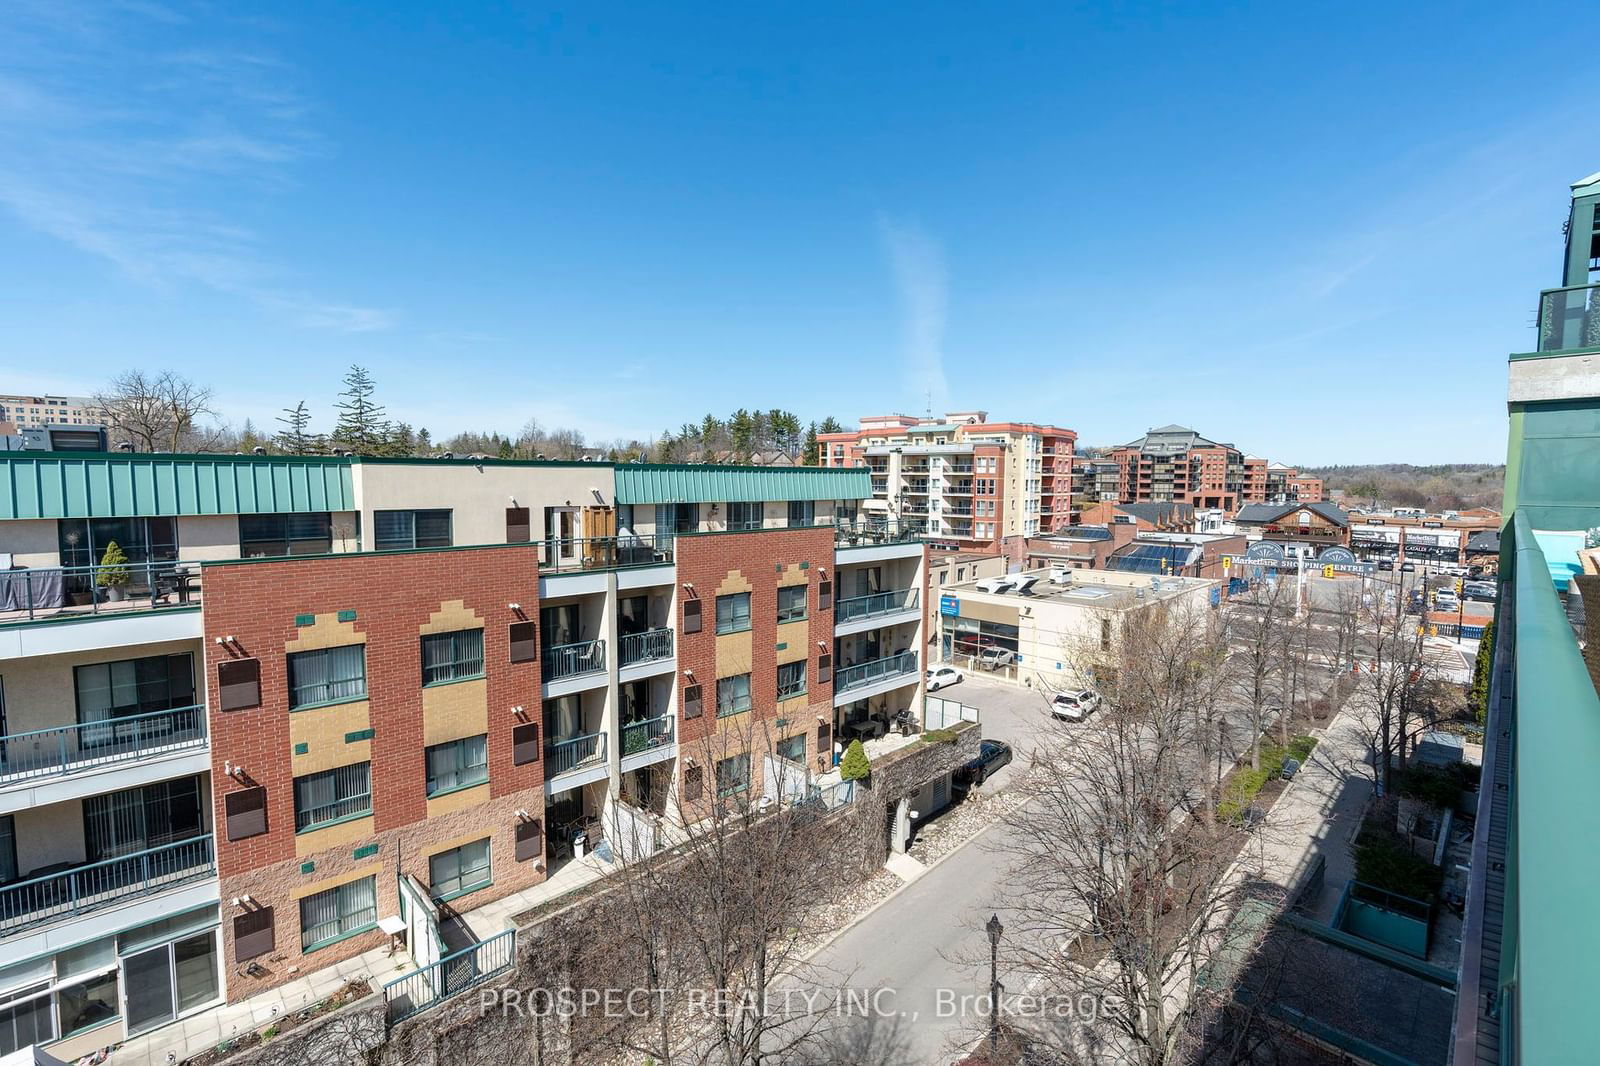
x=1110 y=589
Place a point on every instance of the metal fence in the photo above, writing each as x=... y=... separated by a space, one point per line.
x=940 y=713
x=649 y=733
x=85 y=888
x=850 y=677
x=34 y=592
x=652 y=645
x=451 y=975
x=570 y=660
x=873 y=605
x=569 y=754
x=47 y=752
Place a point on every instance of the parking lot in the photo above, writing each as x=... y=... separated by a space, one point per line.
x=1008 y=713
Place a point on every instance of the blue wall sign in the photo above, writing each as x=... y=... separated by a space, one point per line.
x=949 y=605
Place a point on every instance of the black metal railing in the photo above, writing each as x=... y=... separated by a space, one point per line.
x=46 y=591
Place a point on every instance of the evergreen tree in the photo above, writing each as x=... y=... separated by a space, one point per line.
x=830 y=425
x=295 y=437
x=424 y=441
x=361 y=426
x=811 y=456
x=855 y=765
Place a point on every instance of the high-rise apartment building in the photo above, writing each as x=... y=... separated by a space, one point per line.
x=325 y=697
x=36 y=412
x=961 y=479
x=1174 y=464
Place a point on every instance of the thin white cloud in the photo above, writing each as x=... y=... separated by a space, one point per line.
x=922 y=282
x=116 y=148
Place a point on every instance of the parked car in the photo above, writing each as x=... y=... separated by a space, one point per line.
x=994 y=658
x=1290 y=767
x=1075 y=706
x=1408 y=568
x=1480 y=590
x=940 y=676
x=1445 y=600
x=992 y=754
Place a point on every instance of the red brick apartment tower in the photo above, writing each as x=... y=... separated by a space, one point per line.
x=753 y=568
x=315 y=668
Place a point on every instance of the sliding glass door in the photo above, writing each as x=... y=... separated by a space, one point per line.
x=166 y=982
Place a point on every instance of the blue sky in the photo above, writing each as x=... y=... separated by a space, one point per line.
x=1313 y=230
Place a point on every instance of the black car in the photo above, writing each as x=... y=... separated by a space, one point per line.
x=992 y=754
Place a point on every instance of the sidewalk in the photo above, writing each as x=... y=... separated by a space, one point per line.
x=190 y=1036
x=1320 y=812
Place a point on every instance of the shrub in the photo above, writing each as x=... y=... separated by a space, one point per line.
x=1384 y=860
x=939 y=736
x=1300 y=748
x=855 y=765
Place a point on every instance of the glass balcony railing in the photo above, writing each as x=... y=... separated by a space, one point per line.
x=63 y=749
x=1569 y=318
x=873 y=605
x=571 y=660
x=902 y=663
x=33 y=593
x=650 y=646
x=605 y=553
x=68 y=893
x=867 y=532
x=646 y=733
x=562 y=756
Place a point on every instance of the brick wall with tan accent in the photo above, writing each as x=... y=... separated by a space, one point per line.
x=397 y=597
x=758 y=563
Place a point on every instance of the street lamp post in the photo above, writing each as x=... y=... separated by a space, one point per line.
x=994 y=929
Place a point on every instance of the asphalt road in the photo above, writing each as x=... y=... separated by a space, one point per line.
x=928 y=950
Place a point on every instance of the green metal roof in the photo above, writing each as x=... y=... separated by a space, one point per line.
x=661 y=483
x=125 y=485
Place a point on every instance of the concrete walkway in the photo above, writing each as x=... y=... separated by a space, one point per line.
x=1319 y=814
x=190 y=1036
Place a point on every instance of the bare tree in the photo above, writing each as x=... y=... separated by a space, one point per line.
x=1391 y=672
x=719 y=924
x=158 y=411
x=1254 y=628
x=1117 y=892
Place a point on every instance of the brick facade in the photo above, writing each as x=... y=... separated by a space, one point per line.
x=387 y=601
x=760 y=563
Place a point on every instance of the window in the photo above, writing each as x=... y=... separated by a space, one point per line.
x=452 y=656
x=338 y=913
x=792 y=680
x=8 y=849
x=144 y=540
x=129 y=687
x=458 y=764
x=285 y=534
x=328 y=675
x=733 y=695
x=733 y=775
x=138 y=819
x=793 y=748
x=802 y=513
x=26 y=1018
x=411 y=529
x=459 y=871
x=733 y=613
x=791 y=603
x=332 y=795
x=682 y=517
x=743 y=515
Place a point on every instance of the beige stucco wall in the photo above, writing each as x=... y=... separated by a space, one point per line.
x=478 y=496
x=48 y=835
x=202 y=537
x=31 y=542
x=39 y=690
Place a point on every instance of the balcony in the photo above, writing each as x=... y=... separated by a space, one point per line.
x=915 y=509
x=646 y=734
x=870 y=532
x=605 y=553
x=73 y=892
x=1569 y=318
x=959 y=488
x=652 y=645
x=31 y=594
x=962 y=511
x=958 y=468
x=45 y=753
x=916 y=488
x=574 y=753
x=874 y=605
x=863 y=674
x=573 y=660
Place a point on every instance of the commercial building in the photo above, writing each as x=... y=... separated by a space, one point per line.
x=1400 y=536
x=327 y=698
x=1049 y=635
x=1530 y=946
x=967 y=483
x=1311 y=525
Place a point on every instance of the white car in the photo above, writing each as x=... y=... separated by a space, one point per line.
x=1075 y=706
x=994 y=658
x=940 y=676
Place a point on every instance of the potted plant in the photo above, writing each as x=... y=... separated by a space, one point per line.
x=113 y=573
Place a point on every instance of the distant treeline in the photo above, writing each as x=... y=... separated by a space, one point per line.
x=1442 y=487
